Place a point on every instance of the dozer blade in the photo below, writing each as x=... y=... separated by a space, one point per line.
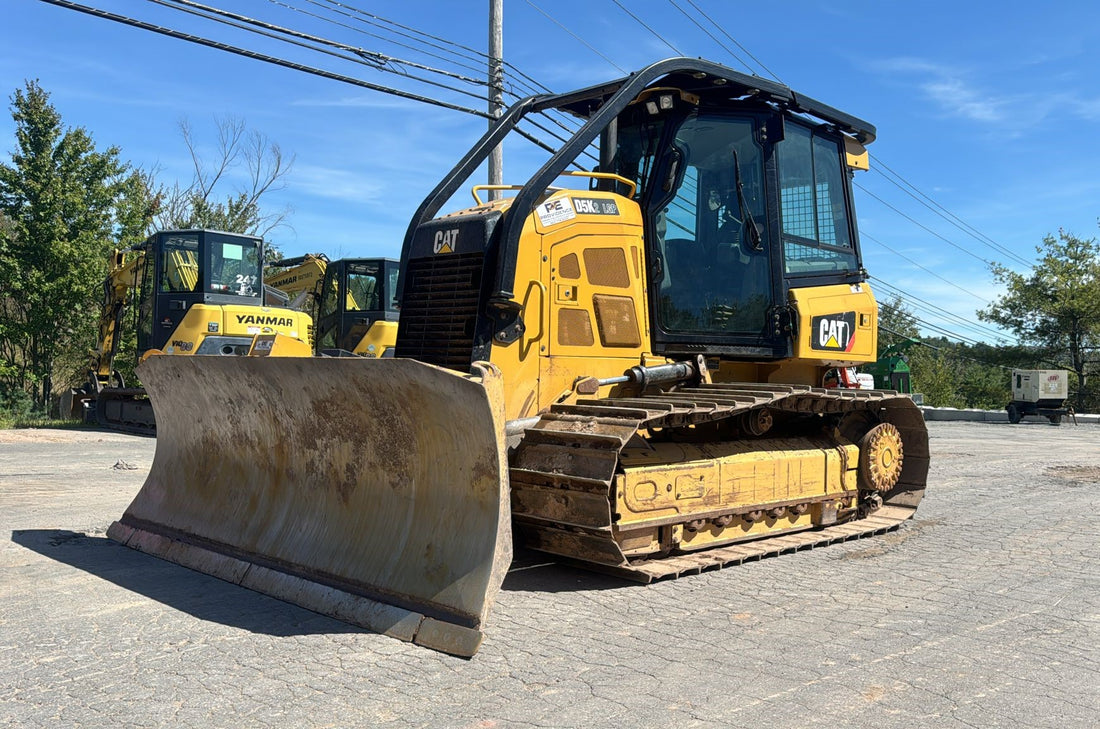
x=372 y=491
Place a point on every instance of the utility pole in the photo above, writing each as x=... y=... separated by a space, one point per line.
x=496 y=89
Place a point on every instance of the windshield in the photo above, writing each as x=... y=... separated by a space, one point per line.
x=364 y=289
x=234 y=266
x=714 y=274
x=179 y=268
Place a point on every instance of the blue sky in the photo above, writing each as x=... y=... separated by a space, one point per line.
x=995 y=116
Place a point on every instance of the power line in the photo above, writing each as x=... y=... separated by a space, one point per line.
x=370 y=18
x=469 y=53
x=710 y=35
x=586 y=44
x=933 y=308
x=199 y=40
x=865 y=236
x=722 y=30
x=527 y=84
x=217 y=45
x=925 y=228
x=372 y=59
x=918 y=302
x=641 y=22
x=943 y=212
x=934 y=327
x=948 y=352
x=358 y=15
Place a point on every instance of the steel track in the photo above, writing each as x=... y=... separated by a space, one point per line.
x=563 y=470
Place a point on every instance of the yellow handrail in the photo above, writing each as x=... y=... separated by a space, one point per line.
x=606 y=176
x=572 y=173
x=475 y=189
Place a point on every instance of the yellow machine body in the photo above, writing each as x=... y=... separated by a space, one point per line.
x=204 y=321
x=631 y=376
x=192 y=292
x=351 y=301
x=305 y=277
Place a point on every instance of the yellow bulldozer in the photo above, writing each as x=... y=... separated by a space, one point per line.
x=353 y=301
x=629 y=373
x=186 y=292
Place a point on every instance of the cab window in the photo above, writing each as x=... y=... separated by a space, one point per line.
x=814 y=213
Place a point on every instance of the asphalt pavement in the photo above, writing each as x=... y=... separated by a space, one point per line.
x=984 y=611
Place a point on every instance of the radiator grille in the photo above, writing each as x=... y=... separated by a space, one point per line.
x=439 y=310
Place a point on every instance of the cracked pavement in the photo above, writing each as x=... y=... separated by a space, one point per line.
x=982 y=612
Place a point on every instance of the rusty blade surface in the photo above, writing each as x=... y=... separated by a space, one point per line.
x=354 y=487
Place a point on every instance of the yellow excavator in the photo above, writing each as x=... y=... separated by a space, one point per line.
x=353 y=301
x=632 y=372
x=187 y=292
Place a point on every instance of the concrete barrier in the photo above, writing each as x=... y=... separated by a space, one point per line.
x=994 y=416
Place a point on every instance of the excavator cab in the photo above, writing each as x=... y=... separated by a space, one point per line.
x=188 y=267
x=357 y=293
x=185 y=292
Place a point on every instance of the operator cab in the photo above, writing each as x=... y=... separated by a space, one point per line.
x=356 y=293
x=187 y=267
x=742 y=201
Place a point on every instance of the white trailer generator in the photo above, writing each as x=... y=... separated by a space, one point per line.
x=1039 y=392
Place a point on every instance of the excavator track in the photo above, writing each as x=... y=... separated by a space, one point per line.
x=563 y=474
x=125 y=409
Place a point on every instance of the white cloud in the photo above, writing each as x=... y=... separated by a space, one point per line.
x=950 y=88
x=953 y=95
x=335 y=183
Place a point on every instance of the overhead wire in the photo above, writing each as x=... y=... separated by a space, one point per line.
x=293 y=65
x=274 y=60
x=722 y=30
x=642 y=23
x=276 y=32
x=948 y=352
x=864 y=235
x=896 y=179
x=380 y=61
x=516 y=79
x=909 y=189
x=930 y=231
x=710 y=35
x=939 y=310
x=363 y=17
x=576 y=37
x=934 y=327
x=272 y=31
x=924 y=227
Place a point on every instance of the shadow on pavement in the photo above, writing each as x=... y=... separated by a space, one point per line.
x=537 y=572
x=194 y=593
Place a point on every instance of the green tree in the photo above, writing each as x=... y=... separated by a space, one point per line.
x=137 y=203
x=896 y=323
x=58 y=195
x=1056 y=307
x=936 y=374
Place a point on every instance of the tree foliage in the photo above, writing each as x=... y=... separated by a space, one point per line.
x=896 y=323
x=1056 y=307
x=58 y=197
